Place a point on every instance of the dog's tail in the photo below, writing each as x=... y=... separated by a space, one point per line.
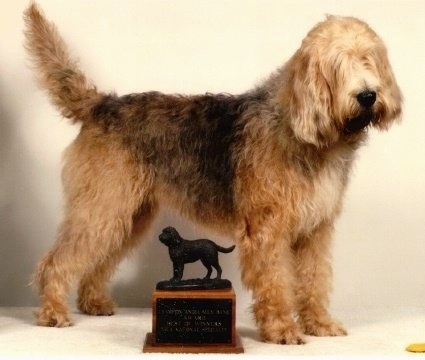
x=225 y=250
x=59 y=74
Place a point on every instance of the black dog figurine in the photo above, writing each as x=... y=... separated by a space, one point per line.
x=188 y=251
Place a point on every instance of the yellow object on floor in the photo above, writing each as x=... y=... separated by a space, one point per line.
x=416 y=347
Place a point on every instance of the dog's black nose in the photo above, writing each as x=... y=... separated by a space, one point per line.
x=366 y=98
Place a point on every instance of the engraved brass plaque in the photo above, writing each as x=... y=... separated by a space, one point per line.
x=194 y=321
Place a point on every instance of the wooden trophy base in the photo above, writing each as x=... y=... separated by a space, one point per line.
x=193 y=321
x=150 y=347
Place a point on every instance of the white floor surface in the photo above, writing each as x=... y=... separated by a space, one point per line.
x=371 y=333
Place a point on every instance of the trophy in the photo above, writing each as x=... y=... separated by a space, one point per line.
x=193 y=315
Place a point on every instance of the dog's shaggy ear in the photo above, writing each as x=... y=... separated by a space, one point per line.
x=390 y=97
x=309 y=100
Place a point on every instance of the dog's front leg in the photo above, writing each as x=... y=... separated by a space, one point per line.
x=313 y=285
x=266 y=264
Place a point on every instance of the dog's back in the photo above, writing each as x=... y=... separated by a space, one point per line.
x=187 y=129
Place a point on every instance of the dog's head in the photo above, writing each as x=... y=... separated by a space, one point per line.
x=340 y=82
x=170 y=237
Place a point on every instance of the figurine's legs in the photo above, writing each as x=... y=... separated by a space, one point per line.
x=212 y=262
x=177 y=272
x=313 y=285
x=209 y=269
x=219 y=271
x=93 y=298
x=266 y=264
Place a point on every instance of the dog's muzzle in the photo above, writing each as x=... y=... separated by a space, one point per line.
x=366 y=99
x=358 y=123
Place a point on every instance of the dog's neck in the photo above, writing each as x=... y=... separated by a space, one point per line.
x=311 y=159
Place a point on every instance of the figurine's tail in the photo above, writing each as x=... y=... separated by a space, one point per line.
x=59 y=74
x=225 y=250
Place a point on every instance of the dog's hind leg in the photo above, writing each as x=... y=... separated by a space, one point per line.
x=104 y=188
x=53 y=309
x=93 y=296
x=313 y=285
x=80 y=246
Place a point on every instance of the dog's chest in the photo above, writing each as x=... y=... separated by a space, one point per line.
x=323 y=200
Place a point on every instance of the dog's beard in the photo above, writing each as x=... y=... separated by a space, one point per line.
x=358 y=123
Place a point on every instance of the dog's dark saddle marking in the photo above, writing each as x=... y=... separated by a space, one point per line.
x=189 y=140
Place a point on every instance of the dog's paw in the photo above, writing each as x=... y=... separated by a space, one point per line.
x=97 y=306
x=323 y=328
x=51 y=318
x=287 y=335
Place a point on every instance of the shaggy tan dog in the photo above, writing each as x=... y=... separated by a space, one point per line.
x=268 y=168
